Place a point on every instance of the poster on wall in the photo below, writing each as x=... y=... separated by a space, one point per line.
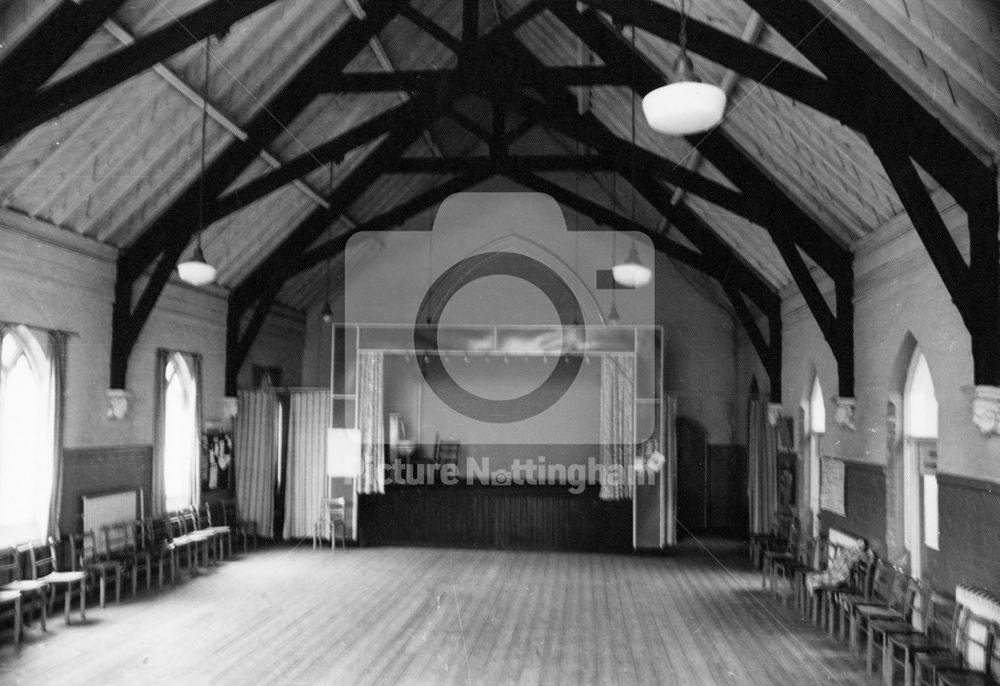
x=831 y=492
x=216 y=460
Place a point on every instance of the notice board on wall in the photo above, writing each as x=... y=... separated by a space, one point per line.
x=831 y=490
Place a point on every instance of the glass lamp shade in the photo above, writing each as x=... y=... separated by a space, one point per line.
x=197 y=271
x=632 y=273
x=685 y=106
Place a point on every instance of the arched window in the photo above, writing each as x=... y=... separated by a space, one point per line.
x=180 y=433
x=25 y=439
x=920 y=431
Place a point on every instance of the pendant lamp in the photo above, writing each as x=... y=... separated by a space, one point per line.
x=197 y=271
x=685 y=106
x=632 y=273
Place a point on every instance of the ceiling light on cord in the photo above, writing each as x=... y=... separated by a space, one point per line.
x=632 y=273
x=327 y=311
x=685 y=106
x=197 y=271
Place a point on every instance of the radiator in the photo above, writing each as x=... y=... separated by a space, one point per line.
x=109 y=508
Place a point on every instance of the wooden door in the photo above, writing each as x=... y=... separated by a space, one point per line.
x=692 y=477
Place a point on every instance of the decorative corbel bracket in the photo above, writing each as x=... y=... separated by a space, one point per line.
x=118 y=401
x=844 y=415
x=986 y=409
x=230 y=407
x=774 y=413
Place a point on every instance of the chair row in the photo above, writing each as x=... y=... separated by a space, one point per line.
x=30 y=574
x=873 y=606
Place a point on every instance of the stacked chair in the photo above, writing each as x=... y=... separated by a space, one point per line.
x=928 y=638
x=32 y=574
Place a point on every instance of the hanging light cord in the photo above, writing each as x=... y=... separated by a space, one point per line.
x=632 y=94
x=204 y=129
x=682 y=38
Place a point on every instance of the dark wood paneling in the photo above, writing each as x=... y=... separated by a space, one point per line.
x=99 y=470
x=516 y=517
x=864 y=504
x=969 y=510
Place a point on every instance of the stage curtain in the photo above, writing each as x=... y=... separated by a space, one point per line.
x=255 y=451
x=617 y=430
x=308 y=419
x=370 y=390
x=763 y=467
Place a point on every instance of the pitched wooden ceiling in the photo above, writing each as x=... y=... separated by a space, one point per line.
x=830 y=100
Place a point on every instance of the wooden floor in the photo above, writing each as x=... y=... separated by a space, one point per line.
x=430 y=616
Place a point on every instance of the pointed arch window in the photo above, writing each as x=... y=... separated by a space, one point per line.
x=26 y=438
x=816 y=418
x=920 y=431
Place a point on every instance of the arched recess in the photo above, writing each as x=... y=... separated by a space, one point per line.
x=692 y=476
x=895 y=515
x=813 y=419
x=180 y=432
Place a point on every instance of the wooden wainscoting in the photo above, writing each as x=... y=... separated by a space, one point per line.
x=506 y=517
x=101 y=470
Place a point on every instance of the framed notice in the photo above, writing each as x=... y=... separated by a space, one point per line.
x=831 y=489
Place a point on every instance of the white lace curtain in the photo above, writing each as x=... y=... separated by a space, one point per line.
x=617 y=430
x=308 y=418
x=370 y=421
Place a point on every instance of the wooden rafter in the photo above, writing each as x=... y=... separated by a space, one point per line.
x=332 y=150
x=40 y=54
x=786 y=223
x=259 y=289
x=727 y=50
x=169 y=234
x=33 y=108
x=901 y=131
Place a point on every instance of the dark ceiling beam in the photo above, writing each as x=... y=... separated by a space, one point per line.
x=430 y=27
x=714 y=259
x=864 y=84
x=332 y=150
x=768 y=348
x=607 y=219
x=390 y=219
x=774 y=210
x=723 y=260
x=425 y=79
x=167 y=236
x=582 y=129
x=179 y=222
x=726 y=50
x=260 y=288
x=899 y=128
x=468 y=124
x=36 y=57
x=282 y=260
x=22 y=114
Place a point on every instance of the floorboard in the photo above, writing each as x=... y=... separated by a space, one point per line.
x=291 y=615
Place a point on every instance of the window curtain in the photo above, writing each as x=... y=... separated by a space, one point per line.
x=194 y=364
x=158 y=498
x=370 y=391
x=763 y=467
x=309 y=414
x=670 y=470
x=57 y=415
x=255 y=452
x=617 y=430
